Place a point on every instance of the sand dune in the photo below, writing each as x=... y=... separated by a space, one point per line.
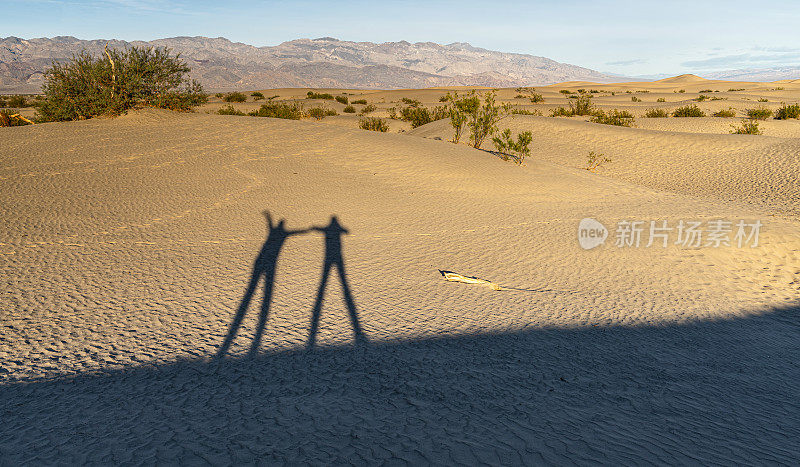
x=127 y=246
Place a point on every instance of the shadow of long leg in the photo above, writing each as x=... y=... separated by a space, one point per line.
x=312 y=333
x=237 y=320
x=360 y=337
x=269 y=281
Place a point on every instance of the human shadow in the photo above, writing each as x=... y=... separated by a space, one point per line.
x=333 y=258
x=264 y=265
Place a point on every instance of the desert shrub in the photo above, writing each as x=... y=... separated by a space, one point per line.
x=700 y=98
x=443 y=98
x=3 y=102
x=749 y=127
x=419 y=116
x=681 y=91
x=614 y=117
x=735 y=89
x=349 y=109
x=536 y=97
x=628 y=92
x=321 y=112
x=229 y=110
x=86 y=86
x=635 y=99
x=219 y=95
x=763 y=99
x=725 y=113
x=582 y=106
x=593 y=161
x=661 y=99
x=561 y=112
x=788 y=111
x=656 y=113
x=342 y=100
x=411 y=102
x=706 y=90
x=7 y=118
x=715 y=98
x=536 y=112
x=279 y=110
x=565 y=91
x=367 y=109
x=317 y=95
x=234 y=97
x=688 y=111
x=507 y=146
x=643 y=91
x=483 y=122
x=373 y=124
x=273 y=97
x=759 y=113
x=257 y=96
x=779 y=88
x=360 y=101
x=460 y=108
x=17 y=102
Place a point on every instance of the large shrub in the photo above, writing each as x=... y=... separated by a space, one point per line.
x=788 y=111
x=88 y=86
x=688 y=111
x=279 y=110
x=373 y=124
x=234 y=97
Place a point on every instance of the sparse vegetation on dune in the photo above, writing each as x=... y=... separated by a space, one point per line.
x=317 y=95
x=257 y=96
x=349 y=109
x=229 y=110
x=369 y=108
x=614 y=117
x=656 y=113
x=342 y=100
x=725 y=113
x=748 y=127
x=292 y=111
x=786 y=112
x=359 y=101
x=688 y=111
x=234 y=97
x=88 y=86
x=373 y=124
x=759 y=113
x=509 y=148
x=594 y=160
x=321 y=112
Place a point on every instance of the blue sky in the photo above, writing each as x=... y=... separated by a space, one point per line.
x=624 y=37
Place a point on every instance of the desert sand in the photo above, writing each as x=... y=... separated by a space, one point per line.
x=127 y=246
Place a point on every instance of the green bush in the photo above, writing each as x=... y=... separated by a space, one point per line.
x=614 y=117
x=349 y=109
x=536 y=112
x=17 y=102
x=411 y=102
x=536 y=97
x=561 y=112
x=320 y=112
x=483 y=122
x=234 y=97
x=342 y=100
x=316 y=95
x=656 y=113
x=635 y=99
x=749 y=127
x=700 y=98
x=360 y=101
x=257 y=96
x=688 y=111
x=279 y=110
x=419 y=116
x=518 y=149
x=725 y=113
x=229 y=110
x=367 y=109
x=788 y=111
x=373 y=124
x=86 y=86
x=582 y=106
x=460 y=108
x=661 y=99
x=759 y=113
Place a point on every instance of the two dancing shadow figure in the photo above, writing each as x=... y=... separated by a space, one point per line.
x=265 y=265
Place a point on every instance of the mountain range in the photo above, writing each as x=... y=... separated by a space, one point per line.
x=220 y=64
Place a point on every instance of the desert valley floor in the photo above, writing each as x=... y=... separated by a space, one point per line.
x=127 y=245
